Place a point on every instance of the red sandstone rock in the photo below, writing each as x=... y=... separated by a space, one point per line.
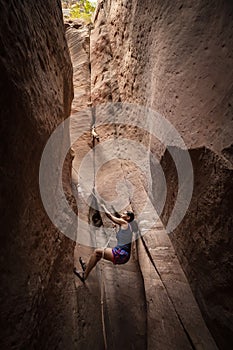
x=176 y=58
x=37 y=292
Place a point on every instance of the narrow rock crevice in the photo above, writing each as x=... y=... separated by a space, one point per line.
x=175 y=59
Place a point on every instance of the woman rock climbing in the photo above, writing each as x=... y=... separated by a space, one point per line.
x=120 y=254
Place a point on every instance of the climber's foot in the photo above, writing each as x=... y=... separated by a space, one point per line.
x=82 y=263
x=80 y=275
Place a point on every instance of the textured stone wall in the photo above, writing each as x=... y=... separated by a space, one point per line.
x=176 y=58
x=37 y=288
x=203 y=241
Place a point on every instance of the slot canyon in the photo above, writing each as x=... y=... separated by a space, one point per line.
x=141 y=103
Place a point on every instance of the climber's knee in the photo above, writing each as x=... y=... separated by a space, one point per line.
x=98 y=254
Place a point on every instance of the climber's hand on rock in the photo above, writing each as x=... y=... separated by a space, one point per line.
x=107 y=212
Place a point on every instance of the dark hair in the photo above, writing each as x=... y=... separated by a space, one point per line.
x=131 y=215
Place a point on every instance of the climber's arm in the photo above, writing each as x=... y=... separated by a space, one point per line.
x=118 y=221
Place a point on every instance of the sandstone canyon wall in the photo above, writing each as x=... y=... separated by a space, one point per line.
x=176 y=58
x=122 y=324
x=37 y=291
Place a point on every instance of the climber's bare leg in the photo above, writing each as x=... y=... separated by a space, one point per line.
x=97 y=255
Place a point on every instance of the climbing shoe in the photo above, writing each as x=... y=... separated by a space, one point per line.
x=80 y=275
x=82 y=263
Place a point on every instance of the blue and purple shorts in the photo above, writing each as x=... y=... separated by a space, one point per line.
x=120 y=256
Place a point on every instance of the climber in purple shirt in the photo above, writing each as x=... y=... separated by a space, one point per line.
x=120 y=254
